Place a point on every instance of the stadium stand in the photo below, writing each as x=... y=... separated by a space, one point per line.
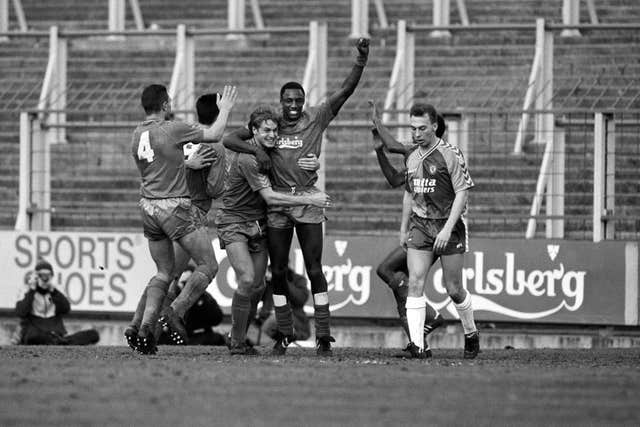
x=93 y=187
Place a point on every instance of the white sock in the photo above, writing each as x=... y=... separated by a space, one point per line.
x=416 y=313
x=465 y=311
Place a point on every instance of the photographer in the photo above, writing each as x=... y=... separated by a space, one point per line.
x=41 y=310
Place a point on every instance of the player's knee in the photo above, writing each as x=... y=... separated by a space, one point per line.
x=245 y=283
x=161 y=279
x=457 y=294
x=209 y=269
x=317 y=279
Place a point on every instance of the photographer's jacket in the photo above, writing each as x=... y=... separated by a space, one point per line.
x=43 y=310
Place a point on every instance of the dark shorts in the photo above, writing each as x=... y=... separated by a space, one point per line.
x=422 y=234
x=171 y=218
x=289 y=216
x=252 y=232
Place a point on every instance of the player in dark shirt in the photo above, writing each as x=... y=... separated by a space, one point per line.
x=300 y=133
x=204 y=174
x=167 y=213
x=242 y=222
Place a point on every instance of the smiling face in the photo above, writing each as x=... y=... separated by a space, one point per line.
x=292 y=101
x=266 y=134
x=422 y=130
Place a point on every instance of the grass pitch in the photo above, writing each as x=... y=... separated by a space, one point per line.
x=198 y=386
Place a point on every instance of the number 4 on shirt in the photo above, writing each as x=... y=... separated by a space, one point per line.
x=144 y=147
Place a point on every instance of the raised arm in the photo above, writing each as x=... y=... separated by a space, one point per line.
x=337 y=99
x=394 y=177
x=385 y=136
x=226 y=101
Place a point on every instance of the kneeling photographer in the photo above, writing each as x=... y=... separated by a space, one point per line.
x=41 y=310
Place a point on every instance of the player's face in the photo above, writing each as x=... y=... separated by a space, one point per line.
x=266 y=134
x=292 y=101
x=422 y=130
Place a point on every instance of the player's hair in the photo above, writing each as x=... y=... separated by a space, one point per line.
x=207 y=108
x=261 y=114
x=442 y=126
x=291 y=85
x=420 y=109
x=153 y=96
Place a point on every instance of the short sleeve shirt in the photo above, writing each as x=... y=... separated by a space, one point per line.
x=296 y=141
x=241 y=200
x=434 y=178
x=156 y=147
x=197 y=179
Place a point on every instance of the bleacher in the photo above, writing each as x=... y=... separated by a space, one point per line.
x=479 y=70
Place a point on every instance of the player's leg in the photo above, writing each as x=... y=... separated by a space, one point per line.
x=419 y=262
x=197 y=245
x=131 y=333
x=240 y=259
x=279 y=244
x=162 y=254
x=260 y=258
x=452 y=276
x=311 y=239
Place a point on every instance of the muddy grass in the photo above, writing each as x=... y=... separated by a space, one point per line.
x=195 y=386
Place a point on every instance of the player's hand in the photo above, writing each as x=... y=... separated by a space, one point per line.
x=201 y=159
x=403 y=236
x=363 y=47
x=309 y=163
x=442 y=239
x=375 y=114
x=227 y=100
x=320 y=199
x=264 y=161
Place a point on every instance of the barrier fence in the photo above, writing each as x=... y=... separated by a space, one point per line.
x=583 y=185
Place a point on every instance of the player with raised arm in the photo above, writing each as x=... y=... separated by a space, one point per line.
x=167 y=213
x=300 y=134
x=204 y=172
x=393 y=269
x=433 y=224
x=242 y=222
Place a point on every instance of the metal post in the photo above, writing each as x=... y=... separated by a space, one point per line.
x=137 y=15
x=40 y=183
x=359 y=19
x=235 y=18
x=382 y=15
x=257 y=15
x=441 y=11
x=570 y=16
x=555 y=187
x=406 y=83
x=603 y=177
x=316 y=77
x=24 y=186
x=545 y=122
x=117 y=13
x=4 y=18
x=59 y=93
x=182 y=86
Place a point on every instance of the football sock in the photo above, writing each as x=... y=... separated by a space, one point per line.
x=284 y=317
x=240 y=307
x=137 y=316
x=465 y=311
x=432 y=313
x=321 y=314
x=400 y=295
x=405 y=326
x=193 y=289
x=415 y=318
x=156 y=291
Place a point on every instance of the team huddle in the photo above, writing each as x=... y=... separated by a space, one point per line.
x=265 y=176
